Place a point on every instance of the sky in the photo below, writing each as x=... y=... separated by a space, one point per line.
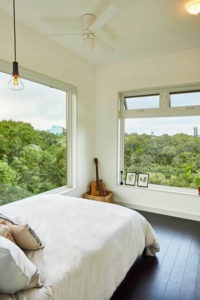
x=165 y=125
x=37 y=104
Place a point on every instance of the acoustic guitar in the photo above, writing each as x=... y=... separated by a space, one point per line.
x=97 y=187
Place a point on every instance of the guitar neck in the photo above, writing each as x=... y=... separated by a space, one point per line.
x=98 y=182
x=97 y=176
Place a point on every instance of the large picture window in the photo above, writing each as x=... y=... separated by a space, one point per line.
x=34 y=139
x=163 y=141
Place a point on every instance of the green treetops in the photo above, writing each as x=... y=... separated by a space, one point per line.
x=31 y=161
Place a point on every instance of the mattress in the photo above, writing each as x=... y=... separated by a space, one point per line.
x=89 y=245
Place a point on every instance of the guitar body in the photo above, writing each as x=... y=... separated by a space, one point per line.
x=97 y=187
x=98 y=190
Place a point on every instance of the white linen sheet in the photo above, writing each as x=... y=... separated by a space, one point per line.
x=89 y=245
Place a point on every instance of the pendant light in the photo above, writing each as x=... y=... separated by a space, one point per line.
x=15 y=82
x=193 y=7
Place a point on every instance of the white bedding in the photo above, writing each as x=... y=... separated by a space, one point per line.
x=89 y=248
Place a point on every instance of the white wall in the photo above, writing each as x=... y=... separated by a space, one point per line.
x=39 y=54
x=171 y=69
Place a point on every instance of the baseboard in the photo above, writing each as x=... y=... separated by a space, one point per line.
x=166 y=212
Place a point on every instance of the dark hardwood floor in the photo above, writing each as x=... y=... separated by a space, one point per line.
x=175 y=271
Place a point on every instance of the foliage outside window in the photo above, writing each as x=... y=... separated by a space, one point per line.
x=33 y=140
x=163 y=141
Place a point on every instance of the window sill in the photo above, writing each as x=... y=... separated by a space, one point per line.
x=59 y=191
x=166 y=189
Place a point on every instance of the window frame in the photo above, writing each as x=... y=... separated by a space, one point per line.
x=71 y=118
x=165 y=110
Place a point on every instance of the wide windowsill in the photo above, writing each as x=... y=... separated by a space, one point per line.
x=167 y=189
x=59 y=191
x=63 y=190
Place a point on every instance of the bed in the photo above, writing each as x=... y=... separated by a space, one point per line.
x=89 y=246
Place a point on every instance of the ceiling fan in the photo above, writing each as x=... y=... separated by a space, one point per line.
x=92 y=26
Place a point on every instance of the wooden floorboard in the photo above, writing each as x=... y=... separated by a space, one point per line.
x=176 y=276
x=197 y=285
x=174 y=273
x=189 y=278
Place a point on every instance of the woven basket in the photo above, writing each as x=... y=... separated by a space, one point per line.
x=107 y=198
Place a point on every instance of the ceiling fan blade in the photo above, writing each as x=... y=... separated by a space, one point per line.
x=62 y=25
x=107 y=37
x=103 y=45
x=63 y=34
x=110 y=11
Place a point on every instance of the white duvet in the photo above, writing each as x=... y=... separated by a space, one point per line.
x=89 y=246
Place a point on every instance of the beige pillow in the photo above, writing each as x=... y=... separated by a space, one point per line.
x=25 y=237
x=2 y=221
x=5 y=220
x=5 y=232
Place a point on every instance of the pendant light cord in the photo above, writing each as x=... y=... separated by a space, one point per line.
x=14 y=30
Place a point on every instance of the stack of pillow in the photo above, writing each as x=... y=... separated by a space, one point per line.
x=17 y=271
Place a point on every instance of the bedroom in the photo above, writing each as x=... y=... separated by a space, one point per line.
x=167 y=58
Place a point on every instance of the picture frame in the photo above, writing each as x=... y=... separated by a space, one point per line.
x=143 y=179
x=130 y=178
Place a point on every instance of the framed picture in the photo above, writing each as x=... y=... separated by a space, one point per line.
x=143 y=179
x=130 y=178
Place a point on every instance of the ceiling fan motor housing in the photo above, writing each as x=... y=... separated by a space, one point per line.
x=88 y=39
x=87 y=34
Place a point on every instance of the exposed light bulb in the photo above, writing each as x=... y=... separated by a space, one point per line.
x=193 y=7
x=15 y=83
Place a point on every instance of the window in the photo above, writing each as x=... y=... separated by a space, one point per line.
x=163 y=141
x=36 y=137
x=142 y=102
x=191 y=98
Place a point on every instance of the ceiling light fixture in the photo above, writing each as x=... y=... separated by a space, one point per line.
x=88 y=35
x=15 y=82
x=193 y=7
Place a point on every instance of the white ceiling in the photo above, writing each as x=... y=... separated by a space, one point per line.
x=141 y=28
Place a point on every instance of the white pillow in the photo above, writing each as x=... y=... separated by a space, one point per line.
x=17 y=271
